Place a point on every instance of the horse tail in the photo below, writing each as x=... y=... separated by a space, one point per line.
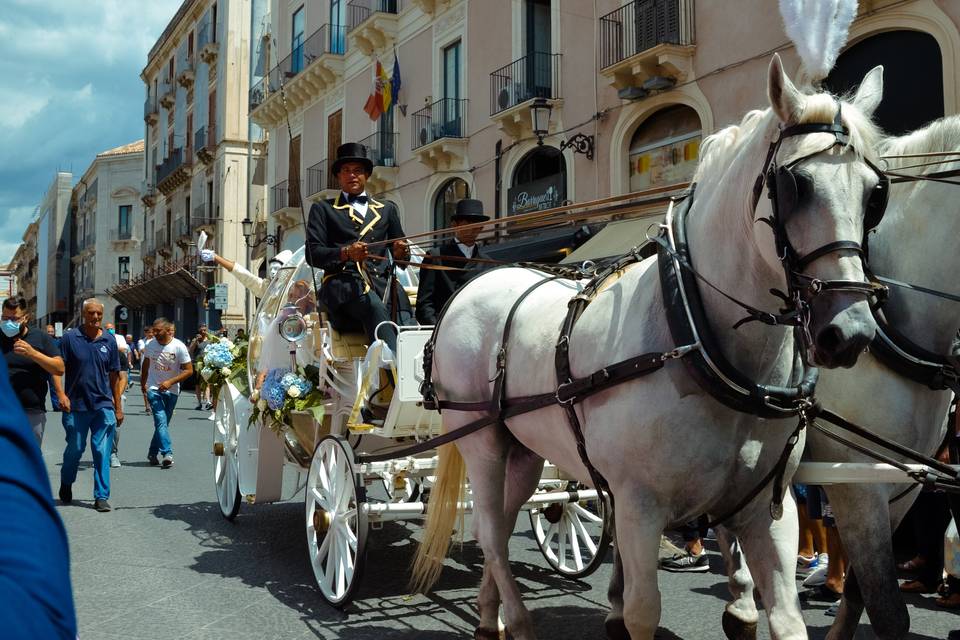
x=443 y=511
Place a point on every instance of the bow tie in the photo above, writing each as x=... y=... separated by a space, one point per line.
x=360 y=199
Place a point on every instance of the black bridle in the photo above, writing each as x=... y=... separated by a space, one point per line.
x=784 y=192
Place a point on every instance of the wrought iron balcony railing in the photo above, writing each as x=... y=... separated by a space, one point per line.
x=318 y=178
x=359 y=10
x=536 y=75
x=279 y=197
x=382 y=147
x=642 y=25
x=445 y=118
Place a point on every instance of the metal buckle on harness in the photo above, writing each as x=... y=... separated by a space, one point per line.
x=560 y=388
x=679 y=352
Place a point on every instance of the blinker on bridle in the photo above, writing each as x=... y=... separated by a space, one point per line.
x=783 y=191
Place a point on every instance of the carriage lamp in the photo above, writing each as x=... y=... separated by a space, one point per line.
x=247 y=225
x=292 y=326
x=540 y=115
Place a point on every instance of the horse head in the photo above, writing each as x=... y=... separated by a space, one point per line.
x=825 y=193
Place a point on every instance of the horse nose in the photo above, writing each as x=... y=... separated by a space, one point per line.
x=838 y=348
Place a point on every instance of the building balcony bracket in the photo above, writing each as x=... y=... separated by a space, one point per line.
x=167 y=100
x=431 y=7
x=375 y=35
x=665 y=60
x=186 y=78
x=383 y=179
x=516 y=121
x=287 y=217
x=152 y=118
x=175 y=180
x=445 y=154
x=209 y=52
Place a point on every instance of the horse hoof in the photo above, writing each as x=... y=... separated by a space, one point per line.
x=736 y=629
x=616 y=629
x=486 y=634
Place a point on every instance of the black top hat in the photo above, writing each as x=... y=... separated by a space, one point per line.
x=352 y=152
x=470 y=210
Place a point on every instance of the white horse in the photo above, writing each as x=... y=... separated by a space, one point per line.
x=916 y=243
x=668 y=450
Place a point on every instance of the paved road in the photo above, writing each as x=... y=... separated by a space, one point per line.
x=164 y=564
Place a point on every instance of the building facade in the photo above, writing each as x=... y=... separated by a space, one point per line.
x=632 y=89
x=25 y=266
x=107 y=222
x=196 y=163
x=53 y=253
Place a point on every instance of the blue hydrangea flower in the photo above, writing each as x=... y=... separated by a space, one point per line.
x=217 y=355
x=273 y=390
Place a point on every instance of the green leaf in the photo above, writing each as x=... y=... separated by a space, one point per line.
x=317 y=411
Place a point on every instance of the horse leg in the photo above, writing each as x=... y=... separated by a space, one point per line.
x=614 y=624
x=639 y=525
x=866 y=520
x=771 y=550
x=740 y=616
x=486 y=468
x=523 y=472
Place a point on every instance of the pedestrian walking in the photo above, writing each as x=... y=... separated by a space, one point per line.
x=124 y=383
x=55 y=382
x=141 y=345
x=92 y=402
x=166 y=363
x=197 y=346
x=31 y=357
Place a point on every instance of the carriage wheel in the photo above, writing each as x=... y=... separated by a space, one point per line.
x=573 y=536
x=336 y=521
x=226 y=467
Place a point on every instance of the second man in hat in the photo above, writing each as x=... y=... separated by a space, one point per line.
x=438 y=285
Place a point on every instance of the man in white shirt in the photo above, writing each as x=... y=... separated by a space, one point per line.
x=166 y=363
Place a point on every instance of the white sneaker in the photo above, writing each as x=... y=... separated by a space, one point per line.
x=818 y=576
x=212 y=416
x=115 y=461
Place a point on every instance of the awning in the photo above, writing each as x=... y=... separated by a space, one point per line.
x=615 y=239
x=164 y=287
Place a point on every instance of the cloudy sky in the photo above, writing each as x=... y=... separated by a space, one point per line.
x=70 y=81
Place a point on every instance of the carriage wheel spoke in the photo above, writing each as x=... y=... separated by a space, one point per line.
x=587 y=515
x=575 y=545
x=585 y=536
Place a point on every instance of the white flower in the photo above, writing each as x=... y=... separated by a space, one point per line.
x=293 y=392
x=207 y=373
x=225 y=371
x=262 y=404
x=255 y=395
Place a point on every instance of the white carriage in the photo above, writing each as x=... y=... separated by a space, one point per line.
x=345 y=496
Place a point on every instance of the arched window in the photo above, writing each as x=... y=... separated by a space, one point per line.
x=665 y=148
x=445 y=204
x=912 y=84
x=539 y=182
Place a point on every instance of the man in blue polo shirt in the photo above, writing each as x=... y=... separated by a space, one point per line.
x=93 y=393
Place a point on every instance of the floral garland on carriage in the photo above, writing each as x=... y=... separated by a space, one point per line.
x=284 y=391
x=223 y=361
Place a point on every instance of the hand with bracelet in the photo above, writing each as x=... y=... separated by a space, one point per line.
x=355 y=252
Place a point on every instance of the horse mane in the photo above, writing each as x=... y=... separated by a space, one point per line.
x=718 y=150
x=938 y=136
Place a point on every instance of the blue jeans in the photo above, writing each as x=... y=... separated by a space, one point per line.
x=101 y=425
x=162 y=404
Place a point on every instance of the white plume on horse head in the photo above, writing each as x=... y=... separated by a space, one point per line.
x=819 y=29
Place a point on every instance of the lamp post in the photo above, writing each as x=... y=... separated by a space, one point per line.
x=124 y=273
x=540 y=116
x=247 y=225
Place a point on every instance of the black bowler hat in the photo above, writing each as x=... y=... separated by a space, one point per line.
x=470 y=210
x=352 y=152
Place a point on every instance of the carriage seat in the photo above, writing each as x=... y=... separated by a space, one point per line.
x=346 y=342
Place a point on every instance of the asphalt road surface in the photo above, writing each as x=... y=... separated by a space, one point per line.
x=165 y=564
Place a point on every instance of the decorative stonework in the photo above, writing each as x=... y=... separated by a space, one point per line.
x=667 y=60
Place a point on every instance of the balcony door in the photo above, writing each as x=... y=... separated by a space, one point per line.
x=536 y=76
x=296 y=41
x=334 y=135
x=338 y=26
x=293 y=173
x=450 y=117
x=123 y=224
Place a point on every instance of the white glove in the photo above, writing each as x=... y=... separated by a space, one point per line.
x=207 y=255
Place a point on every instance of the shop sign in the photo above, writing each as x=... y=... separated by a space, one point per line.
x=539 y=195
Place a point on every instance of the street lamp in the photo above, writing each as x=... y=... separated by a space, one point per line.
x=247 y=225
x=540 y=115
x=124 y=273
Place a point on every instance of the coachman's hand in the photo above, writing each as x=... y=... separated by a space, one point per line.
x=401 y=250
x=354 y=252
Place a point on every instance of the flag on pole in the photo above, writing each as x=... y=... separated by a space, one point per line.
x=386 y=90
x=395 y=81
x=374 y=104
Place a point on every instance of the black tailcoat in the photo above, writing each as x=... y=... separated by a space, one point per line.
x=436 y=287
x=334 y=224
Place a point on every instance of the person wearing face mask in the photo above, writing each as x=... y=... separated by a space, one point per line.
x=32 y=358
x=257 y=286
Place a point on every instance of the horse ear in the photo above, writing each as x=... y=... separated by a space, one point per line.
x=870 y=91
x=786 y=100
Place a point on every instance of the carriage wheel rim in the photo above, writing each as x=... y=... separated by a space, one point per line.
x=226 y=472
x=335 y=528
x=573 y=545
